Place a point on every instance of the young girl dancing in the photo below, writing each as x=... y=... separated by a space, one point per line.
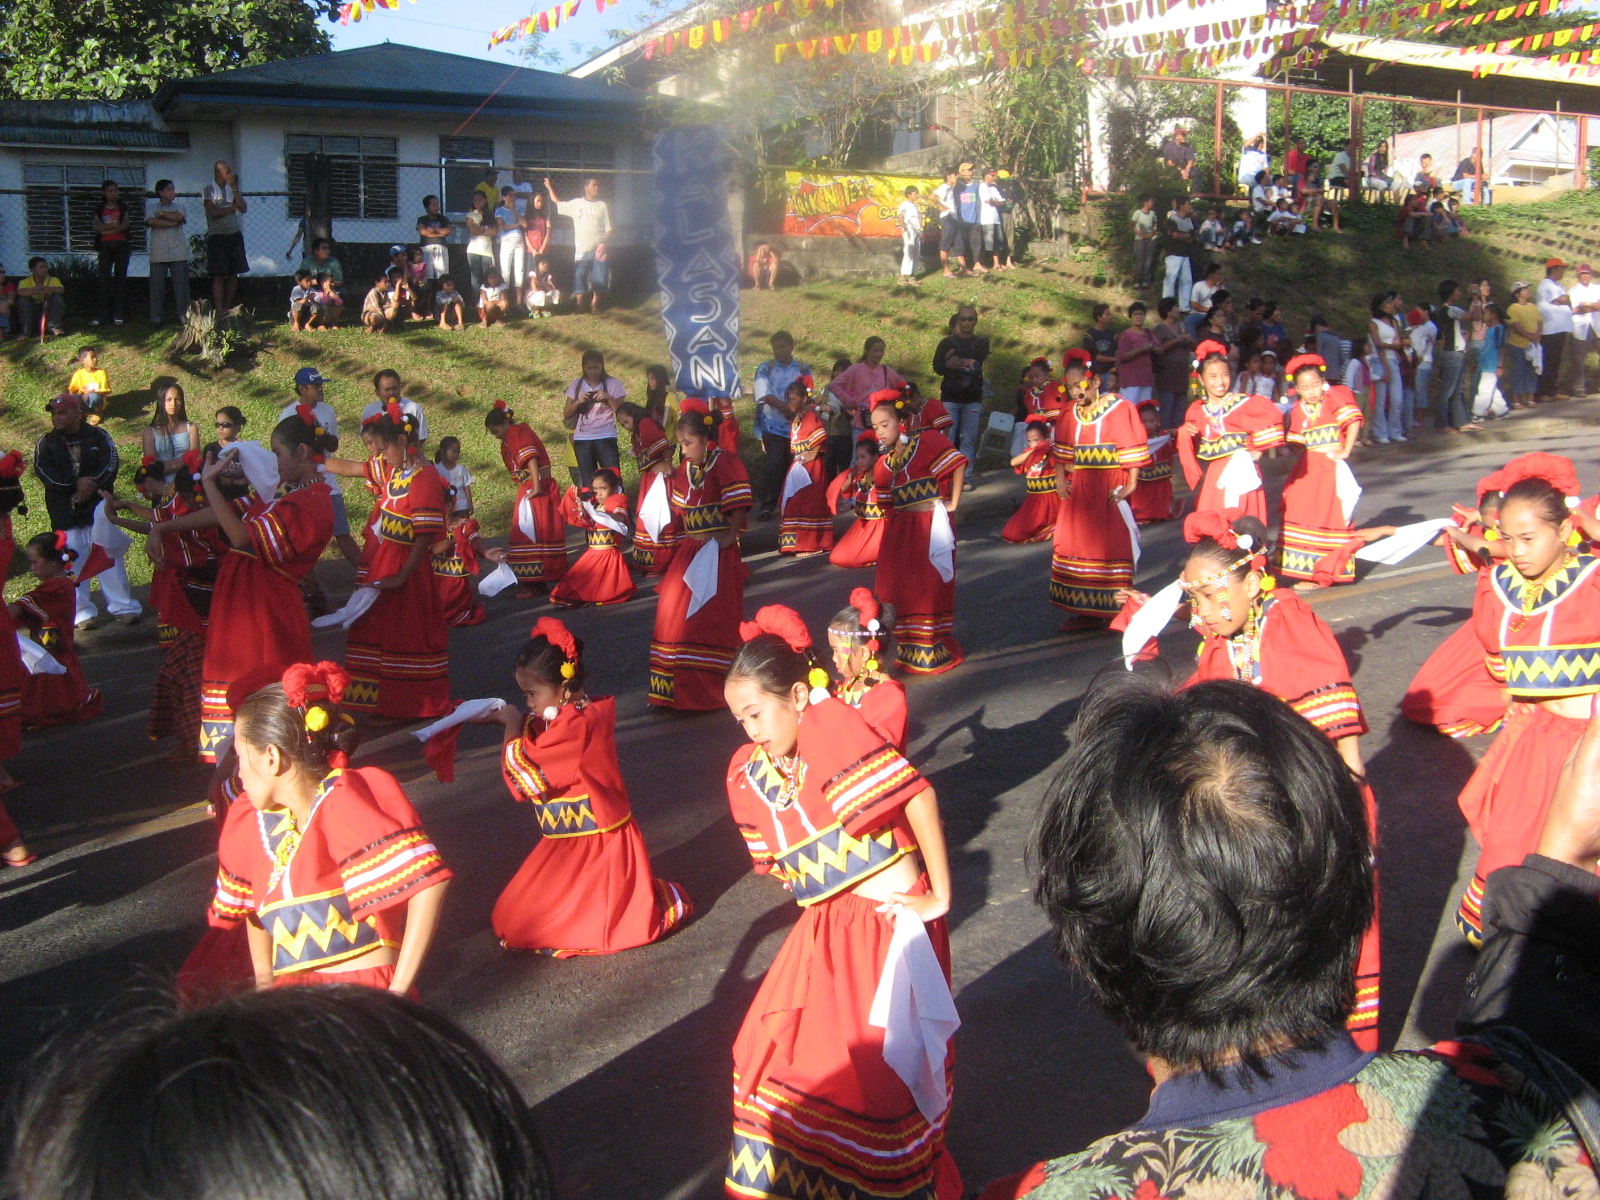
x=601 y=575
x=323 y=847
x=14 y=851
x=806 y=523
x=1035 y=521
x=853 y=831
x=657 y=534
x=861 y=637
x=47 y=612
x=1324 y=421
x=853 y=489
x=536 y=546
x=587 y=888
x=1223 y=436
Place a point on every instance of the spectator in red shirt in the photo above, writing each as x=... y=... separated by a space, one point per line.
x=1294 y=164
x=112 y=249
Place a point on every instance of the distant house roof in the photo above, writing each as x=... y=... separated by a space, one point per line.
x=1518 y=147
x=392 y=77
x=86 y=125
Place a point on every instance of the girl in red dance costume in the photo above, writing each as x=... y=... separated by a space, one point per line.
x=1324 y=421
x=861 y=638
x=1036 y=519
x=1223 y=436
x=601 y=575
x=806 y=523
x=853 y=490
x=47 y=614
x=536 y=547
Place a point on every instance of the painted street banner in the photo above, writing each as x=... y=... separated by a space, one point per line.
x=697 y=264
x=837 y=205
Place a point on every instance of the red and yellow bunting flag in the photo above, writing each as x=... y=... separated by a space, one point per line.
x=543 y=22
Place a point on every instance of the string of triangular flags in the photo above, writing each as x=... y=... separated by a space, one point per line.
x=544 y=22
x=356 y=9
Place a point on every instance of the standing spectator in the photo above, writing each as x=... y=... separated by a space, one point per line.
x=1295 y=163
x=958 y=361
x=1585 y=296
x=909 y=216
x=773 y=421
x=1328 y=345
x=591 y=408
x=991 y=203
x=169 y=252
x=489 y=188
x=1174 y=360
x=1253 y=160
x=77 y=461
x=1263 y=200
x=1488 y=403
x=1555 y=310
x=855 y=384
x=1524 y=331
x=1178 y=154
x=969 y=208
x=1180 y=246
x=536 y=221
x=1426 y=179
x=512 y=245
x=480 y=240
x=171 y=434
x=591 y=226
x=1101 y=343
x=1010 y=194
x=1145 y=242
x=1136 y=368
x=950 y=237
x=1383 y=334
x=1450 y=357
x=225 y=253
x=1468 y=171
x=1274 y=335
x=111 y=221
x=433 y=231
x=1423 y=334
x=40 y=300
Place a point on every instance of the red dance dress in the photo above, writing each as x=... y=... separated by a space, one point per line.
x=1095 y=541
x=918 y=471
x=881 y=703
x=1314 y=523
x=454 y=568
x=650 y=446
x=1294 y=656
x=861 y=543
x=806 y=523
x=48 y=613
x=933 y=415
x=398 y=651
x=1047 y=402
x=180 y=626
x=1454 y=691
x=587 y=888
x=332 y=891
x=816 y=1109
x=13 y=677
x=258 y=622
x=1210 y=434
x=690 y=652
x=1035 y=521
x=601 y=574
x=536 y=547
x=1152 y=496
x=219 y=965
x=1541 y=641
x=728 y=430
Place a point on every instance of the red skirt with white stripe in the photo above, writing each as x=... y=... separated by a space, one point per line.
x=600 y=576
x=690 y=656
x=1454 y=691
x=924 y=604
x=398 y=653
x=1092 y=557
x=541 y=558
x=806 y=524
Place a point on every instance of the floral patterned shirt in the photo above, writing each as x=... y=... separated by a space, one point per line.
x=1334 y=1124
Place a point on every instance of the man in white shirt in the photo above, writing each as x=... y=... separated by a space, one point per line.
x=308 y=383
x=387 y=386
x=1585 y=297
x=950 y=240
x=591 y=226
x=990 y=201
x=1555 y=307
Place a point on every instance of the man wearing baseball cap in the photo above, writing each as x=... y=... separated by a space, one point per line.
x=308 y=383
x=1585 y=297
x=1555 y=307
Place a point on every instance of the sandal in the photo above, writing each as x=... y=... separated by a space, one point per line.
x=1470 y=427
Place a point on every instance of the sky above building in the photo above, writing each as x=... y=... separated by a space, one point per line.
x=464 y=28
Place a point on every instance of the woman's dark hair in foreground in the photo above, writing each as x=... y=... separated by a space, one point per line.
x=306 y=1093
x=1203 y=856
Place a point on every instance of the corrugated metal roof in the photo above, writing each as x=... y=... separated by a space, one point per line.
x=393 y=72
x=91 y=138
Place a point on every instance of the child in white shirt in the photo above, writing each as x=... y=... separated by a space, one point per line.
x=303 y=308
x=449 y=305
x=448 y=461
x=543 y=296
x=910 y=217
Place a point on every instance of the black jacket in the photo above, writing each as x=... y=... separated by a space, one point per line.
x=61 y=459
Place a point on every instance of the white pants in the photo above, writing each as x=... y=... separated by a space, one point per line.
x=513 y=263
x=1488 y=402
x=910 y=252
x=550 y=299
x=438 y=260
x=113 y=582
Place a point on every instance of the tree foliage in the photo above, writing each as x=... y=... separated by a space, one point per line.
x=126 y=49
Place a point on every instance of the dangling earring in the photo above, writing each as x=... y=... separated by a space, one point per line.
x=1574 y=538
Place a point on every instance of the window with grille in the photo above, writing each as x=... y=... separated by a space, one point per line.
x=364 y=180
x=63 y=198
x=461 y=164
x=566 y=164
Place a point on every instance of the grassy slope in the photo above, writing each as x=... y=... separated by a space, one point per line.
x=1028 y=312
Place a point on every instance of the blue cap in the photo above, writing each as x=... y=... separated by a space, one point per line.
x=307 y=375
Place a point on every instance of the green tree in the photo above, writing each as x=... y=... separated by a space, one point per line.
x=126 y=49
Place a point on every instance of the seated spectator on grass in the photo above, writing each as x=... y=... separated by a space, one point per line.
x=1456 y=226
x=90 y=384
x=1242 y=232
x=449 y=304
x=309 y=1093
x=41 y=301
x=417 y=280
x=304 y=311
x=1262 y=194
x=544 y=297
x=492 y=304
x=380 y=310
x=1283 y=220
x=329 y=300
x=1206 y=868
x=1212 y=234
x=405 y=300
x=1415 y=223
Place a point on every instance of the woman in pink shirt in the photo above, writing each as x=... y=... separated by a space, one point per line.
x=855 y=385
x=1136 y=363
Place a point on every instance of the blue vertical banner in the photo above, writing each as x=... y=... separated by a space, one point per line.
x=697 y=264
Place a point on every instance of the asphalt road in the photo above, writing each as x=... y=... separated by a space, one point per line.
x=627 y=1057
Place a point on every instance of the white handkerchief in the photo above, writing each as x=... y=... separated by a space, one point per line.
x=797 y=479
x=354 y=608
x=942 y=542
x=36 y=658
x=1346 y=488
x=701 y=577
x=1128 y=519
x=1150 y=620
x=1403 y=543
x=466 y=711
x=260 y=467
x=1239 y=478
x=916 y=1012
x=113 y=539
x=525 y=520
x=1157 y=442
x=497 y=580
x=609 y=520
x=655 y=512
